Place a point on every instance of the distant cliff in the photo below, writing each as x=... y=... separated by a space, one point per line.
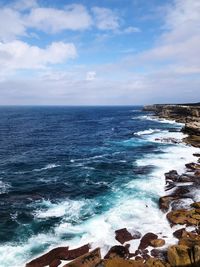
x=189 y=114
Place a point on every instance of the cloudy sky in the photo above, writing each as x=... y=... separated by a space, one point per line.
x=99 y=52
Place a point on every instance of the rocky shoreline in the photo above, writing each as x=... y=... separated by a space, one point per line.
x=178 y=204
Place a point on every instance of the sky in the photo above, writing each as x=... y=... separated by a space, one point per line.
x=99 y=52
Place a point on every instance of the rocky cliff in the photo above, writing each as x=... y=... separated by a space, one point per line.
x=189 y=114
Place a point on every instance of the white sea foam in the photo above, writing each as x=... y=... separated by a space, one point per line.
x=47 y=167
x=161 y=120
x=147 y=132
x=4 y=187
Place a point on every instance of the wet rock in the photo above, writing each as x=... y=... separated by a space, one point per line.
x=188 y=217
x=190 y=241
x=48 y=258
x=197 y=174
x=159 y=254
x=170 y=140
x=164 y=202
x=123 y=235
x=178 y=233
x=178 y=256
x=55 y=263
x=117 y=252
x=60 y=253
x=195 y=205
x=193 y=166
x=77 y=252
x=196 y=155
x=172 y=176
x=90 y=259
x=123 y=263
x=157 y=243
x=146 y=239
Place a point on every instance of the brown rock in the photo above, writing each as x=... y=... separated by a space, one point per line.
x=152 y=262
x=122 y=263
x=178 y=233
x=90 y=259
x=164 y=202
x=197 y=174
x=159 y=254
x=55 y=263
x=183 y=217
x=60 y=253
x=77 y=252
x=190 y=241
x=146 y=239
x=172 y=176
x=48 y=258
x=117 y=252
x=178 y=256
x=122 y=235
x=157 y=243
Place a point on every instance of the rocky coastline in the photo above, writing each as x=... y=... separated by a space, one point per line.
x=182 y=211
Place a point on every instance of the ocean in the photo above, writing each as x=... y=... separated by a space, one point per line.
x=73 y=175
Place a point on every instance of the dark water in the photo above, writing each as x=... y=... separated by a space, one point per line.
x=52 y=158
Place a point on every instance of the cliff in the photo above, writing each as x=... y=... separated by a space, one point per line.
x=189 y=114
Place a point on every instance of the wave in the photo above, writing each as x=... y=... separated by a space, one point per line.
x=47 y=167
x=161 y=120
x=147 y=132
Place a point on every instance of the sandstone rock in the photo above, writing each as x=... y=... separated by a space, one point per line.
x=178 y=256
x=117 y=252
x=122 y=235
x=196 y=250
x=157 y=243
x=146 y=239
x=183 y=217
x=172 y=175
x=123 y=263
x=189 y=242
x=197 y=174
x=90 y=259
x=152 y=262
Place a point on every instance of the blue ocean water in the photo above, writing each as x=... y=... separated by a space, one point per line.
x=72 y=175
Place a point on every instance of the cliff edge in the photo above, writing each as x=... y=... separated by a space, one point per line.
x=189 y=114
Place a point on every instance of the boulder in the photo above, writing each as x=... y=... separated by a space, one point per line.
x=48 y=258
x=146 y=239
x=159 y=254
x=90 y=259
x=60 y=253
x=123 y=263
x=157 y=243
x=178 y=256
x=123 y=235
x=117 y=252
x=172 y=176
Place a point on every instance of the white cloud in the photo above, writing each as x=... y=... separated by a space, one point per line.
x=72 y=17
x=11 y=24
x=105 y=18
x=20 y=55
x=90 y=75
x=131 y=29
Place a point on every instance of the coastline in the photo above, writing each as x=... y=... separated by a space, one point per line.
x=119 y=255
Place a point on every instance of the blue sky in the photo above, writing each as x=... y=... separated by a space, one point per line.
x=100 y=52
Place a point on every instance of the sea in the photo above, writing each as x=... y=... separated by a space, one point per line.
x=73 y=175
